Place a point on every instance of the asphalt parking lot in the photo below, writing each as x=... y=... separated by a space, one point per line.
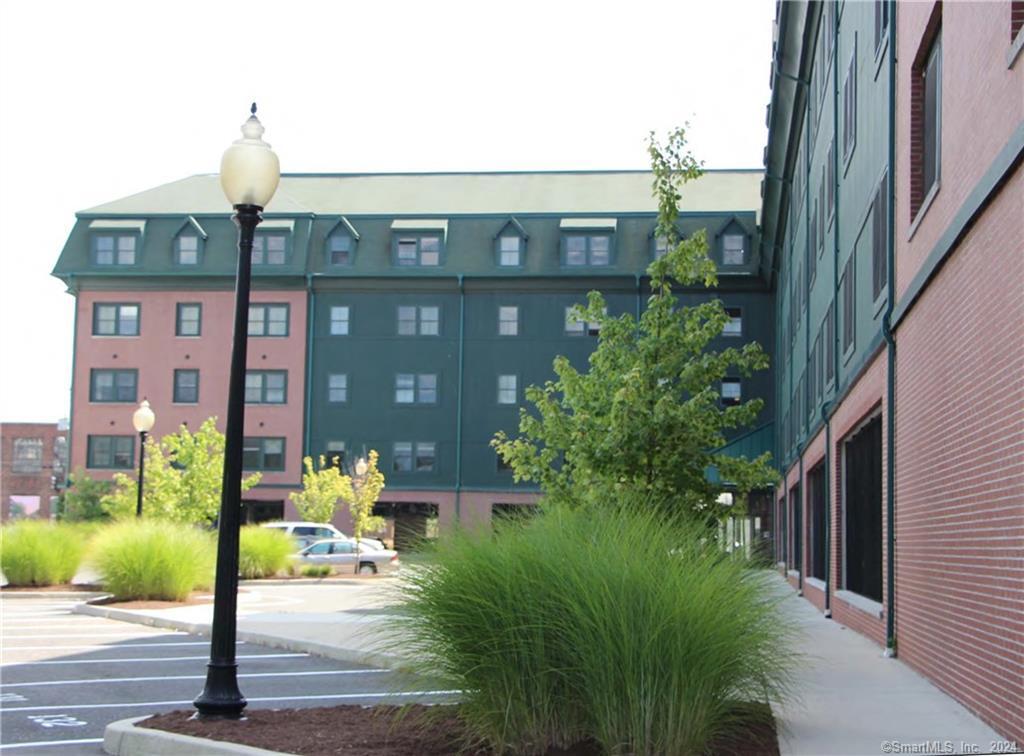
x=64 y=676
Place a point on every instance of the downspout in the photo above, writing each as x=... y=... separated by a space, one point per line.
x=827 y=419
x=803 y=523
x=458 y=410
x=890 y=419
x=73 y=290
x=310 y=319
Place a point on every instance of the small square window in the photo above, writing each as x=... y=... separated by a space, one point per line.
x=115 y=320
x=339 y=249
x=731 y=392
x=426 y=388
x=430 y=319
x=125 y=250
x=269 y=249
x=406 y=254
x=600 y=250
x=424 y=456
x=268 y=320
x=508 y=321
x=406 y=321
x=735 y=325
x=186 y=386
x=189 y=319
x=110 y=452
x=405 y=388
x=660 y=247
x=28 y=456
x=263 y=453
x=402 y=456
x=507 y=393
x=339 y=320
x=574 y=326
x=733 y=249
x=335 y=454
x=337 y=388
x=113 y=385
x=188 y=249
x=430 y=250
x=510 y=249
x=576 y=250
x=266 y=386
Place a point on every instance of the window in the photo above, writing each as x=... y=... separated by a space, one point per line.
x=879 y=236
x=1016 y=19
x=268 y=320
x=335 y=454
x=733 y=249
x=186 y=386
x=862 y=511
x=811 y=399
x=830 y=186
x=660 y=247
x=574 y=326
x=588 y=250
x=337 y=388
x=424 y=456
x=401 y=457
x=263 y=453
x=27 y=455
x=507 y=393
x=735 y=325
x=110 y=452
x=926 y=125
x=423 y=251
x=339 y=320
x=812 y=246
x=413 y=388
x=115 y=319
x=188 y=319
x=796 y=507
x=731 y=392
x=510 y=250
x=186 y=249
x=114 y=249
x=113 y=385
x=850 y=107
x=413 y=320
x=266 y=386
x=339 y=249
x=849 y=288
x=829 y=344
x=881 y=23
x=508 y=321
x=269 y=249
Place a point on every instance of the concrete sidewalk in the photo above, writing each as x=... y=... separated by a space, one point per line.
x=853 y=702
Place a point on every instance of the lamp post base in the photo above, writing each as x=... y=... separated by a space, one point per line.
x=221 y=698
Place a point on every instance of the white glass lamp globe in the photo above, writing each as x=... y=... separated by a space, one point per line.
x=249 y=170
x=143 y=418
x=361 y=467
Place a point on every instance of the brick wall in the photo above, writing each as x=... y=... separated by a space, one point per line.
x=960 y=471
x=39 y=484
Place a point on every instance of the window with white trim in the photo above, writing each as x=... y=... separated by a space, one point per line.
x=337 y=388
x=508 y=320
x=507 y=390
x=339 y=320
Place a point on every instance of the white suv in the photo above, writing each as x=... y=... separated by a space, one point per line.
x=306 y=533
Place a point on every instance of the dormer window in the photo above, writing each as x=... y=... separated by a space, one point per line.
x=587 y=241
x=734 y=249
x=269 y=249
x=418 y=243
x=341 y=243
x=510 y=245
x=116 y=242
x=188 y=243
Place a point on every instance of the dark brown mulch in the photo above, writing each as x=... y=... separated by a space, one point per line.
x=374 y=731
x=76 y=587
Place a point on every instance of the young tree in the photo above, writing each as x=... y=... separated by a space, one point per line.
x=183 y=478
x=321 y=490
x=82 y=500
x=361 y=494
x=646 y=419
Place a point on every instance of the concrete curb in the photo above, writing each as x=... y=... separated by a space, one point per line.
x=350 y=655
x=313 y=581
x=123 y=738
x=81 y=595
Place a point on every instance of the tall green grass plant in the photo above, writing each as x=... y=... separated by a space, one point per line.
x=35 y=552
x=608 y=624
x=154 y=560
x=263 y=552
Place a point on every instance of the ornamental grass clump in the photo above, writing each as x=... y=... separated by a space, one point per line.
x=34 y=552
x=613 y=625
x=154 y=560
x=263 y=552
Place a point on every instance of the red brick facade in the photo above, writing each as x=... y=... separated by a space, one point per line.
x=31 y=484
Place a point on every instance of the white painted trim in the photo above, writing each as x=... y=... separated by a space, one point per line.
x=815 y=582
x=863 y=603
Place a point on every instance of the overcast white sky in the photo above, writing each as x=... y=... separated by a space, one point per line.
x=102 y=99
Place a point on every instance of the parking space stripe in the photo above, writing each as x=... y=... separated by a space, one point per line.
x=327 y=697
x=145 y=659
x=314 y=673
x=117 y=647
x=114 y=632
x=45 y=743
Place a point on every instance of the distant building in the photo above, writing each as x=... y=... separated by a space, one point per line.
x=400 y=312
x=33 y=468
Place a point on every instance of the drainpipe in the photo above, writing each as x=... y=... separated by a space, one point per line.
x=803 y=523
x=890 y=419
x=826 y=418
x=458 y=411
x=310 y=320
x=73 y=290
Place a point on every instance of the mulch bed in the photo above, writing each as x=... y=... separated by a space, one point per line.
x=77 y=587
x=375 y=731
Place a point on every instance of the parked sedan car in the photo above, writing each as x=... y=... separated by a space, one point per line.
x=369 y=544
x=340 y=554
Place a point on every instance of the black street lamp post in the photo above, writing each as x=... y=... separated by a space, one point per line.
x=249 y=174
x=143 y=419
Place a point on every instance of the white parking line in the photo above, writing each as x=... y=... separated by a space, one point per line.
x=328 y=697
x=147 y=659
x=5 y=686
x=44 y=743
x=114 y=632
x=118 y=647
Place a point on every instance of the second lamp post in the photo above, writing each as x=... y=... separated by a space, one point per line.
x=143 y=419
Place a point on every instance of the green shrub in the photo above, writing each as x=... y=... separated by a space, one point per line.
x=613 y=625
x=34 y=552
x=316 y=570
x=155 y=560
x=263 y=552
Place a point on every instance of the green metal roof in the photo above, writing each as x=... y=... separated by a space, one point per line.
x=397 y=194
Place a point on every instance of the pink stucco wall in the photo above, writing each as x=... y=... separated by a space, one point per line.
x=156 y=352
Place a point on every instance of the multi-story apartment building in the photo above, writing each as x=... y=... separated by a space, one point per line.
x=403 y=312
x=33 y=468
x=893 y=220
